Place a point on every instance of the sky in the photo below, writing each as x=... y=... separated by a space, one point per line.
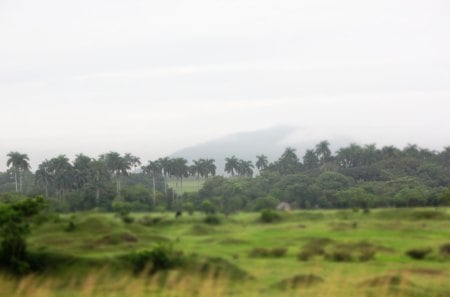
x=152 y=77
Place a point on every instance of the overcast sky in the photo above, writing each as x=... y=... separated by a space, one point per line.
x=151 y=77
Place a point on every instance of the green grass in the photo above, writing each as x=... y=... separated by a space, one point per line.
x=189 y=185
x=104 y=237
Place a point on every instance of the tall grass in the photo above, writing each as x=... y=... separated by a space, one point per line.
x=100 y=283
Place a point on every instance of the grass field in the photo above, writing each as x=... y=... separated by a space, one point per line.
x=189 y=185
x=245 y=257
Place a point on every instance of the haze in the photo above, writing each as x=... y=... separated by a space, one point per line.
x=152 y=77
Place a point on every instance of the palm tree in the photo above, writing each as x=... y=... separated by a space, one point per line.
x=261 y=162
x=43 y=176
x=165 y=165
x=288 y=163
x=63 y=175
x=245 y=168
x=99 y=176
x=210 y=167
x=19 y=164
x=231 y=165
x=82 y=170
x=117 y=166
x=132 y=161
x=179 y=170
x=153 y=169
x=323 y=151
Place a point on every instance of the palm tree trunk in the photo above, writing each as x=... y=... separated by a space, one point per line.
x=15 y=180
x=154 y=191
x=20 y=182
x=97 y=196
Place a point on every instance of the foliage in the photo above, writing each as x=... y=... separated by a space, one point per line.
x=270 y=216
x=212 y=220
x=14 y=226
x=161 y=257
x=418 y=253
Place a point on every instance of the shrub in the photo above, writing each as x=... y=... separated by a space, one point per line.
x=70 y=227
x=212 y=220
x=366 y=254
x=445 y=249
x=149 y=221
x=277 y=252
x=340 y=255
x=270 y=216
x=418 y=253
x=121 y=208
x=127 y=219
x=161 y=257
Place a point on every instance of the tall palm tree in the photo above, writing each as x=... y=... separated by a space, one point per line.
x=132 y=161
x=245 y=168
x=231 y=165
x=82 y=170
x=43 y=176
x=117 y=166
x=210 y=167
x=99 y=176
x=323 y=151
x=261 y=162
x=165 y=164
x=153 y=169
x=19 y=164
x=179 y=170
x=63 y=175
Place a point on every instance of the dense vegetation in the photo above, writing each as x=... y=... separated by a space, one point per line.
x=354 y=177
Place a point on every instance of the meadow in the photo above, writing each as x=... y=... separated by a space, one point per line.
x=384 y=252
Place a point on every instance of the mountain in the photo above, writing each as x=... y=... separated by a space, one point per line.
x=247 y=145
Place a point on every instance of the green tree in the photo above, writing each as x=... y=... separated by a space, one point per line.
x=19 y=164
x=63 y=175
x=44 y=177
x=118 y=166
x=231 y=165
x=261 y=162
x=288 y=163
x=310 y=160
x=323 y=151
x=153 y=169
x=14 y=226
x=100 y=177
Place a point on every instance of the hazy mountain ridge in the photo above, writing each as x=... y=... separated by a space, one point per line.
x=247 y=145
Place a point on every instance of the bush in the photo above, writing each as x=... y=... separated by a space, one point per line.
x=366 y=254
x=419 y=253
x=445 y=249
x=277 y=252
x=127 y=219
x=270 y=216
x=340 y=255
x=149 y=221
x=212 y=220
x=162 y=257
x=70 y=227
x=121 y=208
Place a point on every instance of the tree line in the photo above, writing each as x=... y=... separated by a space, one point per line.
x=353 y=175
